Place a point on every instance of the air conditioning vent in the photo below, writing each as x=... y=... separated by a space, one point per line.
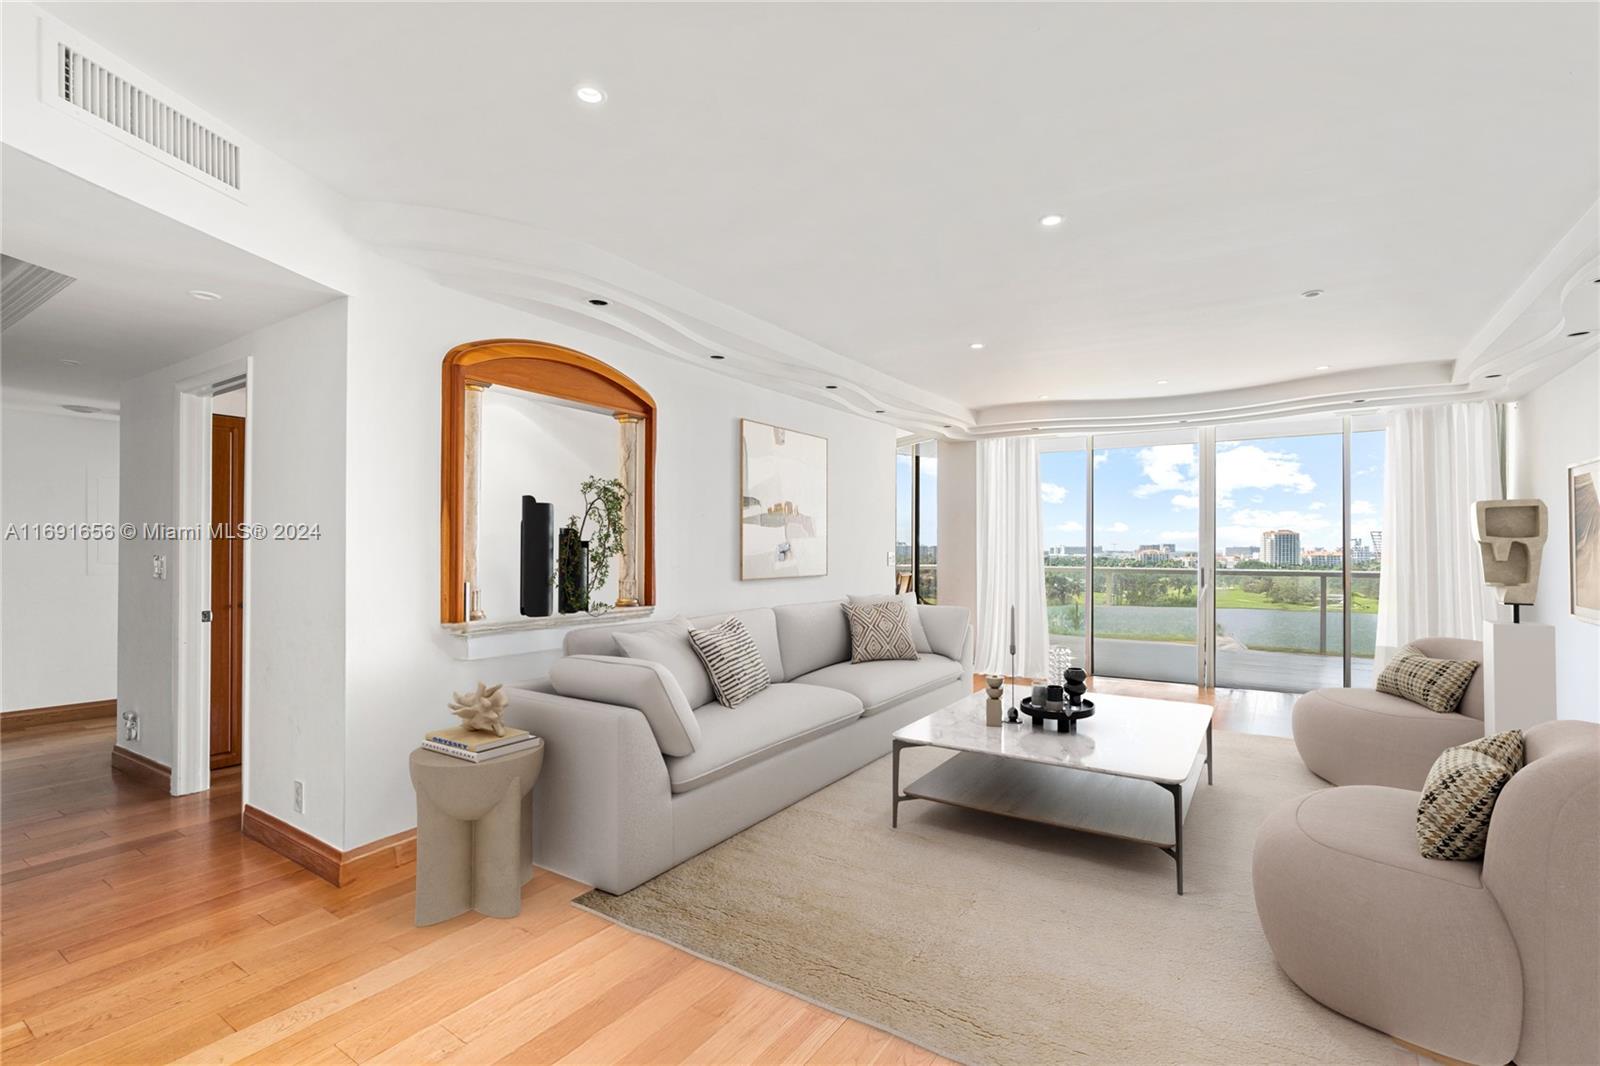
x=114 y=100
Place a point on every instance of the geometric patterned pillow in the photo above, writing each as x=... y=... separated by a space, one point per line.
x=879 y=630
x=1437 y=684
x=1458 y=797
x=732 y=660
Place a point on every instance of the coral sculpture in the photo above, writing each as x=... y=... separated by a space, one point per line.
x=481 y=711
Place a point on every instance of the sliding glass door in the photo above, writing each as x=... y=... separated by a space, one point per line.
x=1146 y=562
x=916 y=557
x=1245 y=556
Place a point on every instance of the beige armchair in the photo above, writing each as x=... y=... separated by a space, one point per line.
x=1358 y=736
x=1482 y=962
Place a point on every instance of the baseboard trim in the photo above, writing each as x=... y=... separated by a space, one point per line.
x=142 y=767
x=323 y=859
x=12 y=721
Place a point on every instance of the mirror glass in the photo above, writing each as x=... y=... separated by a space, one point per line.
x=542 y=447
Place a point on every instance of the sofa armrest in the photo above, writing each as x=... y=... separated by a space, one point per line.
x=647 y=687
x=602 y=805
x=948 y=629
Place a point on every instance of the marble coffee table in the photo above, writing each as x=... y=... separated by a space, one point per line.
x=1130 y=771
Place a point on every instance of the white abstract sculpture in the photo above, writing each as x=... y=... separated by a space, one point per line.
x=481 y=711
x=1511 y=535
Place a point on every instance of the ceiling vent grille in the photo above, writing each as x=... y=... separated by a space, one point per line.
x=24 y=288
x=114 y=100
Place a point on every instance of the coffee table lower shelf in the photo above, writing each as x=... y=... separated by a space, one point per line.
x=1145 y=812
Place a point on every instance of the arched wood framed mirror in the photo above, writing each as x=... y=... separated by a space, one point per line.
x=590 y=417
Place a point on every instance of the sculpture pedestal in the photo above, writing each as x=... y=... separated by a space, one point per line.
x=1519 y=675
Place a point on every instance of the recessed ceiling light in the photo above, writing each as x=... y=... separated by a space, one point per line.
x=589 y=94
x=1044 y=396
x=70 y=362
x=1493 y=375
x=719 y=357
x=205 y=294
x=1324 y=366
x=1580 y=333
x=1051 y=220
x=596 y=301
x=1361 y=401
x=976 y=346
x=881 y=411
x=830 y=386
x=1161 y=381
x=1312 y=294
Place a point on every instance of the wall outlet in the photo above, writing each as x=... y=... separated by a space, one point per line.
x=888 y=557
x=130 y=725
x=158 y=567
x=300 y=797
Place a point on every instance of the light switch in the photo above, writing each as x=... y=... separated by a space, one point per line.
x=158 y=567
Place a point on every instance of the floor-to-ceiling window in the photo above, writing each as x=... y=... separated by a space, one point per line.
x=1289 y=514
x=916 y=554
x=1063 y=513
x=1146 y=564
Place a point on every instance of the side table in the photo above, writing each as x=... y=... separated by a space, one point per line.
x=474 y=832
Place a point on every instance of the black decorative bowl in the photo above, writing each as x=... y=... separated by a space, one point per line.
x=1066 y=719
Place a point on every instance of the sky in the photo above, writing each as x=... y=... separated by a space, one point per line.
x=1149 y=496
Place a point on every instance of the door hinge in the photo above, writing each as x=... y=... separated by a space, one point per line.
x=205 y=616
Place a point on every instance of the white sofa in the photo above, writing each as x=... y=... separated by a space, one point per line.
x=613 y=809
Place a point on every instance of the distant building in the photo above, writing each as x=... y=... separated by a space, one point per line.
x=1360 y=552
x=1377 y=543
x=1280 y=547
x=1155 y=553
x=1325 y=558
x=1243 y=551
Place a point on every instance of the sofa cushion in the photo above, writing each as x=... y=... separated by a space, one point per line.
x=946 y=627
x=732 y=661
x=812 y=635
x=668 y=643
x=1437 y=684
x=762 y=625
x=1355 y=736
x=645 y=686
x=919 y=635
x=1459 y=796
x=879 y=631
x=888 y=682
x=776 y=719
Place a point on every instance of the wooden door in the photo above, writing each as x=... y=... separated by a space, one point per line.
x=227 y=592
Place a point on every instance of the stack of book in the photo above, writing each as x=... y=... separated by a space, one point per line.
x=474 y=746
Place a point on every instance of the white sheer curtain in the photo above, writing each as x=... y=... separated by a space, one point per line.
x=1010 y=558
x=1440 y=461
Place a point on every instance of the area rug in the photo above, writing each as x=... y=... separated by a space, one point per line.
x=990 y=940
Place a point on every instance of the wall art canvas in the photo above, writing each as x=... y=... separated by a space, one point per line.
x=1583 y=508
x=783 y=502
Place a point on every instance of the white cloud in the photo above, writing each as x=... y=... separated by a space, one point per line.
x=1115 y=527
x=1319 y=505
x=1167 y=468
x=1070 y=527
x=1245 y=526
x=1178 y=536
x=1173 y=468
x=1185 y=502
x=1362 y=507
x=1100 y=457
x=1050 y=492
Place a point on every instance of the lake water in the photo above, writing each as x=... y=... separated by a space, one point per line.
x=1254 y=628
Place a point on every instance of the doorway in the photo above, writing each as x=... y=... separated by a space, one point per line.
x=227 y=579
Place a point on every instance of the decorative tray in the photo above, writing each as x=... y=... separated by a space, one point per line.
x=1066 y=719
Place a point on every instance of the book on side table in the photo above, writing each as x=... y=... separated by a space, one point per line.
x=474 y=746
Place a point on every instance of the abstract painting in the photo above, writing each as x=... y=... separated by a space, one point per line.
x=783 y=502
x=1583 y=507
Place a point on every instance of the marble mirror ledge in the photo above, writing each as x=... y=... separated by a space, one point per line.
x=554 y=621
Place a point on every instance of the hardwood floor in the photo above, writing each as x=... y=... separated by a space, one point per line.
x=1239 y=709
x=140 y=928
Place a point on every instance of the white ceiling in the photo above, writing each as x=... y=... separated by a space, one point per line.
x=870 y=177
x=129 y=311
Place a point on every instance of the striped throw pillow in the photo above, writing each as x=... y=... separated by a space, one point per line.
x=732 y=660
x=879 y=630
x=1458 y=797
x=1437 y=684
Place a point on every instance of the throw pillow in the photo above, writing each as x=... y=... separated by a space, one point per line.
x=919 y=635
x=669 y=645
x=732 y=659
x=879 y=631
x=1458 y=797
x=1437 y=684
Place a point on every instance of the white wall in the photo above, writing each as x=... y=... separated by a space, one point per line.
x=543 y=449
x=294 y=591
x=1551 y=427
x=58 y=599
